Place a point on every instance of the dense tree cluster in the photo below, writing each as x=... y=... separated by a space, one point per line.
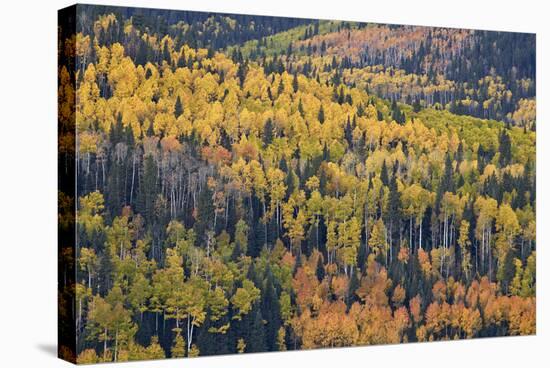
x=480 y=73
x=209 y=30
x=230 y=203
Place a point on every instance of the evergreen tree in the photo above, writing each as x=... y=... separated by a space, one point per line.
x=241 y=73
x=205 y=214
x=320 y=270
x=354 y=284
x=178 y=107
x=447 y=182
x=129 y=137
x=505 y=149
x=384 y=177
x=416 y=105
x=393 y=212
x=281 y=87
x=268 y=132
x=115 y=188
x=211 y=342
x=255 y=342
x=321 y=115
x=289 y=182
x=166 y=54
x=271 y=312
x=348 y=133
x=148 y=190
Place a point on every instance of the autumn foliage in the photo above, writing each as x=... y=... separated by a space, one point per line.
x=257 y=196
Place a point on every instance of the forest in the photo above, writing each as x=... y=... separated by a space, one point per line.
x=250 y=184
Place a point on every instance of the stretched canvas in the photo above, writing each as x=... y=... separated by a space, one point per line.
x=239 y=183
